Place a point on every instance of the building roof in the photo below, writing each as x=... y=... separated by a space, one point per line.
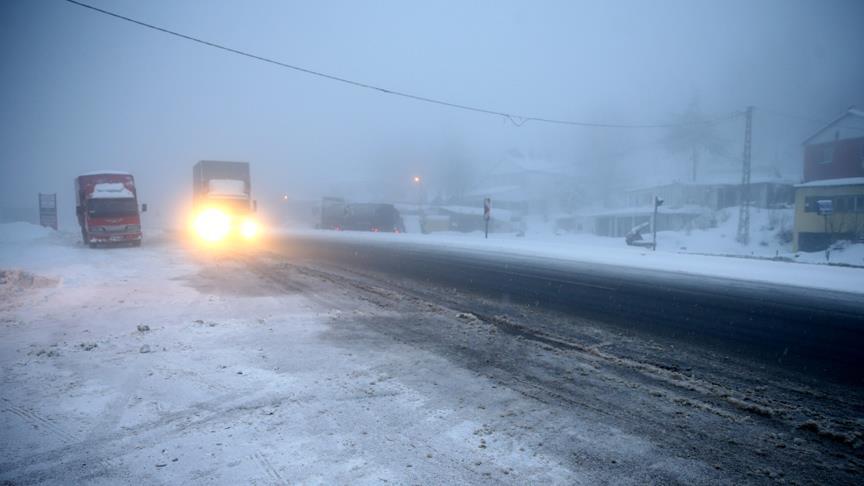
x=846 y=181
x=726 y=180
x=517 y=163
x=647 y=210
x=474 y=211
x=849 y=115
x=105 y=172
x=504 y=193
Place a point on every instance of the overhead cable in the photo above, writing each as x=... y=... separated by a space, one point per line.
x=517 y=120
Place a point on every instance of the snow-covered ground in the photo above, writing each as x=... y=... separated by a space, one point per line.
x=162 y=365
x=153 y=365
x=770 y=238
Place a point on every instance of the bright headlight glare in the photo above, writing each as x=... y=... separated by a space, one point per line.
x=248 y=229
x=212 y=225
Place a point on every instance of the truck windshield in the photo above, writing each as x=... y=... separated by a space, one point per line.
x=112 y=208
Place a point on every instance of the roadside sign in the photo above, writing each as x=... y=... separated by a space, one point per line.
x=48 y=210
x=487 y=213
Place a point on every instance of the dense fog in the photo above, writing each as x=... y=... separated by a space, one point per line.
x=83 y=91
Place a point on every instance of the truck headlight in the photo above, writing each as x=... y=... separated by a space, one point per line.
x=248 y=229
x=212 y=225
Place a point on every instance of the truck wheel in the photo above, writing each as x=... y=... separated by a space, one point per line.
x=93 y=245
x=136 y=244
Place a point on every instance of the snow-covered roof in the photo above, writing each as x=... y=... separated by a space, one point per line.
x=755 y=179
x=846 y=181
x=495 y=191
x=474 y=211
x=227 y=188
x=111 y=190
x=106 y=172
x=848 y=125
x=516 y=163
x=729 y=179
x=649 y=186
x=647 y=210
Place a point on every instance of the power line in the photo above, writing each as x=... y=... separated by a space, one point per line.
x=517 y=120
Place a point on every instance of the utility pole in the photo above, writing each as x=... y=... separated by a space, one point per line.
x=744 y=208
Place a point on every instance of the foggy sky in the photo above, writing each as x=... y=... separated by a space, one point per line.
x=81 y=91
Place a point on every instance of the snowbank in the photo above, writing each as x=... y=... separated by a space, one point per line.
x=22 y=232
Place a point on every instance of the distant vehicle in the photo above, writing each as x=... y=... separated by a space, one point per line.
x=106 y=203
x=222 y=201
x=336 y=214
x=333 y=210
x=373 y=217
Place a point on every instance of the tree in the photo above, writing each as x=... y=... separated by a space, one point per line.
x=693 y=136
x=452 y=172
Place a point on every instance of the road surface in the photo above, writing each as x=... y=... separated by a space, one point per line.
x=805 y=329
x=298 y=365
x=632 y=350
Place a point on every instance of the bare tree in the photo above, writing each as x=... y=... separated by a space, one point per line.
x=693 y=136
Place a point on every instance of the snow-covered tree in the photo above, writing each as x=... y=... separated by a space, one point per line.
x=693 y=136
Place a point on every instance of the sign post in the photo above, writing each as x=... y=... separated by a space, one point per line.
x=48 y=210
x=487 y=213
x=825 y=208
x=657 y=203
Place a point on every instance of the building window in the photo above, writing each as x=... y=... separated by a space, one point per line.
x=824 y=154
x=810 y=205
x=839 y=204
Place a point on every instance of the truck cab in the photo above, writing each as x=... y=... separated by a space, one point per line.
x=107 y=209
x=222 y=202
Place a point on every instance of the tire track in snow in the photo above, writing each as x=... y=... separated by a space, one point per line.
x=68 y=439
x=261 y=459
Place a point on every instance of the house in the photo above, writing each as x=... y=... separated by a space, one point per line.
x=523 y=184
x=470 y=218
x=767 y=191
x=833 y=171
x=618 y=222
x=688 y=205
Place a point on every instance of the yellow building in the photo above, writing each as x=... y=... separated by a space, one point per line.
x=829 y=205
x=846 y=222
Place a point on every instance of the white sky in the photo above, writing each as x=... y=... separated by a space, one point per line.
x=82 y=91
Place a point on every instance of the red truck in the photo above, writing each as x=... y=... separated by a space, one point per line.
x=107 y=209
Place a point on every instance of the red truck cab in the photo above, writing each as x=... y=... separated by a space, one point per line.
x=107 y=209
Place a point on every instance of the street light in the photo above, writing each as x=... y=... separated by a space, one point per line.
x=416 y=179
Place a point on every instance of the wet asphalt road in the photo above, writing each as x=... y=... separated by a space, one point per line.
x=727 y=398
x=805 y=330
